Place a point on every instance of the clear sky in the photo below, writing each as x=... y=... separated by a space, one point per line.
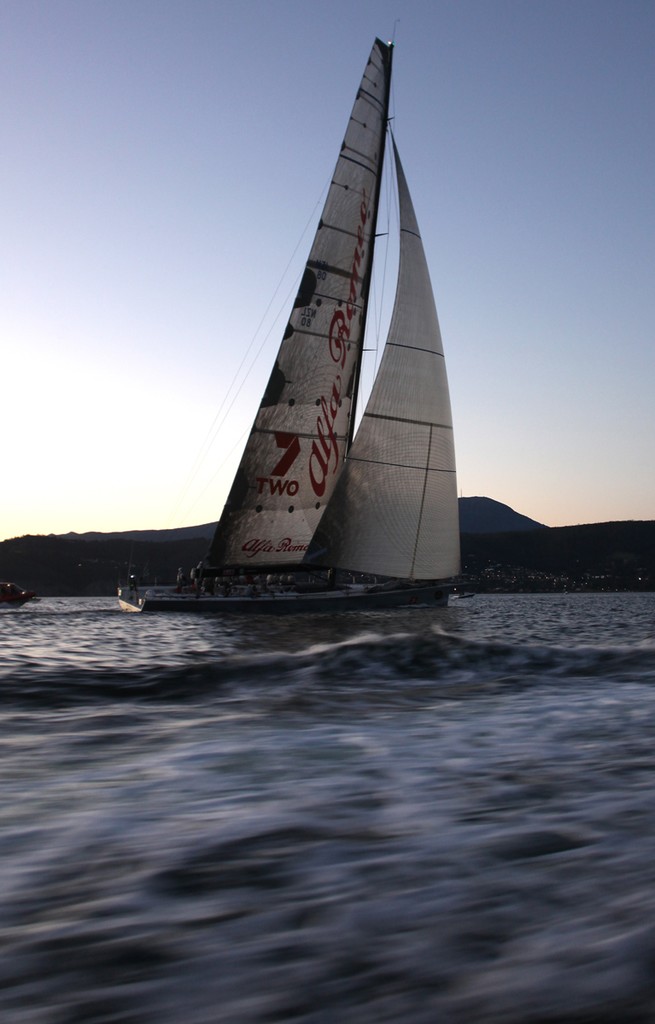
x=160 y=161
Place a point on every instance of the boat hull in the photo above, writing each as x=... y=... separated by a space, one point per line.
x=12 y=596
x=290 y=603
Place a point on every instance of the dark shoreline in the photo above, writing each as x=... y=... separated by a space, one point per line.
x=598 y=557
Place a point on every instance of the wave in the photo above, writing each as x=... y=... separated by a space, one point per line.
x=367 y=670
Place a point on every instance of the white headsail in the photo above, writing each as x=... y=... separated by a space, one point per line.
x=394 y=511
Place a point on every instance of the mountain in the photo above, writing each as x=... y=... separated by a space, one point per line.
x=484 y=515
x=476 y=515
x=204 y=532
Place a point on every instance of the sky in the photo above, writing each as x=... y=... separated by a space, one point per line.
x=163 y=167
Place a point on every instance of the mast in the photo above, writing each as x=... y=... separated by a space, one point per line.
x=367 y=281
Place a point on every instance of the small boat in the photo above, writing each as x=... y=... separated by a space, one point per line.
x=321 y=517
x=11 y=596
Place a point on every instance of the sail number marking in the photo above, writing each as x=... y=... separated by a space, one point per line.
x=291 y=446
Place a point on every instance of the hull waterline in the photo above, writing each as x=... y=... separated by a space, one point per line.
x=353 y=599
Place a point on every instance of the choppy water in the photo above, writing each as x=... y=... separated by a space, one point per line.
x=425 y=817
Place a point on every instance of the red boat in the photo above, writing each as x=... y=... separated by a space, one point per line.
x=13 y=596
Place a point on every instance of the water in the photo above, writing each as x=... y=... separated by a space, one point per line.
x=425 y=817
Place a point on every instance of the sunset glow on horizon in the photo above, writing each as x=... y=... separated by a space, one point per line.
x=163 y=171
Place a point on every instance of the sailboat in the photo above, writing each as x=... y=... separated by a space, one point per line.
x=320 y=517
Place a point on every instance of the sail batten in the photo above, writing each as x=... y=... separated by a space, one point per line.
x=356 y=158
x=398 y=465
x=415 y=348
x=405 y=419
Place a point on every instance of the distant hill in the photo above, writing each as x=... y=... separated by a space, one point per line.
x=597 y=556
x=205 y=532
x=484 y=515
x=476 y=515
x=71 y=566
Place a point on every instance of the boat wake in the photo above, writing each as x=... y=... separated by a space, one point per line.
x=369 y=670
x=391 y=819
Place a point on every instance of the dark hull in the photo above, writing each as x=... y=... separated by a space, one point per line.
x=355 y=599
x=12 y=596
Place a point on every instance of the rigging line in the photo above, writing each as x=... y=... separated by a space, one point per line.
x=227 y=458
x=293 y=288
x=215 y=426
x=422 y=470
x=284 y=305
x=227 y=411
